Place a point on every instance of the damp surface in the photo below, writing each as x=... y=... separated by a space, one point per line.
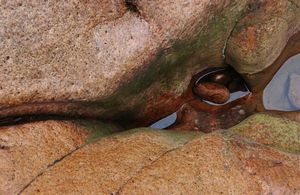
x=229 y=79
x=223 y=82
x=283 y=91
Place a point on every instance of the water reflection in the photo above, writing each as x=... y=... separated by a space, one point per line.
x=224 y=77
x=283 y=92
x=165 y=122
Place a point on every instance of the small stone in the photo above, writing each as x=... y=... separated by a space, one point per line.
x=212 y=92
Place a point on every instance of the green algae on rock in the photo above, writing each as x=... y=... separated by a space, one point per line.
x=272 y=131
x=97 y=129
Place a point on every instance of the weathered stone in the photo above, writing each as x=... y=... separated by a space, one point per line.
x=27 y=150
x=106 y=165
x=132 y=62
x=91 y=58
x=261 y=34
x=119 y=61
x=280 y=133
x=215 y=165
x=144 y=161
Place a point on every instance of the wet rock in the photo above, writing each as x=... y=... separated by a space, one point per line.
x=212 y=92
x=114 y=60
x=236 y=85
x=199 y=116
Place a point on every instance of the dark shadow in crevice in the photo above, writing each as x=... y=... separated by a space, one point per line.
x=131 y=6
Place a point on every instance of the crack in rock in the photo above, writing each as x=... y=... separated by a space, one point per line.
x=118 y=192
x=231 y=32
x=229 y=36
x=48 y=167
x=248 y=8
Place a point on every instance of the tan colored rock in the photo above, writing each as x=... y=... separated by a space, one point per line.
x=106 y=165
x=103 y=59
x=215 y=165
x=90 y=57
x=261 y=35
x=237 y=161
x=27 y=150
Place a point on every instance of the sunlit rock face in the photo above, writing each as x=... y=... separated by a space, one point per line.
x=261 y=34
x=283 y=91
x=258 y=156
x=130 y=61
x=133 y=62
x=104 y=58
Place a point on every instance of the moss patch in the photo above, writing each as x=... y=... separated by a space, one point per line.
x=273 y=131
x=97 y=129
x=171 y=68
x=166 y=136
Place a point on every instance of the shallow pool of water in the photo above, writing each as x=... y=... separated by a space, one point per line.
x=283 y=91
x=231 y=79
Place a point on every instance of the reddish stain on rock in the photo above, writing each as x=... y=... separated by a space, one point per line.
x=212 y=92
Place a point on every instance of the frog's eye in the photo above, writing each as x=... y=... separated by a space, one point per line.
x=283 y=91
x=220 y=86
x=214 y=86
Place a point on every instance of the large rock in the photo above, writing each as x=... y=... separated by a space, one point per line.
x=260 y=36
x=277 y=132
x=27 y=150
x=128 y=60
x=259 y=156
x=106 y=165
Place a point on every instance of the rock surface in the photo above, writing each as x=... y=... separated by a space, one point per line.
x=132 y=62
x=27 y=150
x=120 y=61
x=259 y=156
x=105 y=166
x=261 y=34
